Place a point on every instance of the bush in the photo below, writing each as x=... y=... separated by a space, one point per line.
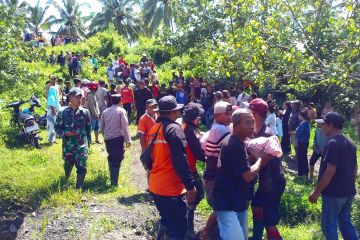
x=295 y=207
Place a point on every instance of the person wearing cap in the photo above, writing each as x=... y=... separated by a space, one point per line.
x=218 y=132
x=115 y=129
x=191 y=120
x=265 y=201
x=170 y=176
x=73 y=124
x=336 y=184
x=144 y=58
x=233 y=177
x=93 y=107
x=319 y=145
x=101 y=95
x=146 y=122
x=141 y=95
x=127 y=98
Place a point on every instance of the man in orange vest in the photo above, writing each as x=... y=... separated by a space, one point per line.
x=146 y=122
x=171 y=182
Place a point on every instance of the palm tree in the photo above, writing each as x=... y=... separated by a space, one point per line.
x=18 y=5
x=121 y=14
x=36 y=21
x=157 y=12
x=71 y=20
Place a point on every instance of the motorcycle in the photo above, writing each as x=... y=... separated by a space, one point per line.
x=26 y=121
x=40 y=119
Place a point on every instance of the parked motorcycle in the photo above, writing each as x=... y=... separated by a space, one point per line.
x=40 y=119
x=26 y=121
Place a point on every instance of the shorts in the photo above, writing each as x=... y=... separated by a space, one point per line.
x=95 y=124
x=269 y=202
x=209 y=189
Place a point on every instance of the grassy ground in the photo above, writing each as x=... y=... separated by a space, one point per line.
x=35 y=177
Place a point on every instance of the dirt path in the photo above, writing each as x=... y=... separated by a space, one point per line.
x=133 y=217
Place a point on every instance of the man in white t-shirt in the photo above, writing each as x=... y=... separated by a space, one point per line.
x=218 y=132
x=243 y=98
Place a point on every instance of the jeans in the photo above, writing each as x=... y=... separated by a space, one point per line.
x=233 y=225
x=337 y=212
x=95 y=124
x=51 y=126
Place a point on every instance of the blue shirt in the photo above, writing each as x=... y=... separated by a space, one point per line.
x=180 y=97
x=53 y=100
x=303 y=132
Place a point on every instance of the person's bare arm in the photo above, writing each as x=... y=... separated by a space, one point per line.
x=142 y=141
x=323 y=183
x=254 y=169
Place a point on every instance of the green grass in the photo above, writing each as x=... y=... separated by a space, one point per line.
x=35 y=177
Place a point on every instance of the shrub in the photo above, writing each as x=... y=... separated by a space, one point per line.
x=295 y=207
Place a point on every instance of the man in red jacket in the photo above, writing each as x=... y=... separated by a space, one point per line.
x=127 y=98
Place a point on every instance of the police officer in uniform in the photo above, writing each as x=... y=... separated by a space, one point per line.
x=74 y=126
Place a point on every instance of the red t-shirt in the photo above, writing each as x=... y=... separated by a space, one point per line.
x=155 y=90
x=127 y=95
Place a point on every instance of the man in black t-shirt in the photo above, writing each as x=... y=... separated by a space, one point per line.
x=337 y=176
x=231 y=191
x=142 y=94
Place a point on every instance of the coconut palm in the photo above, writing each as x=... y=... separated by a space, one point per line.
x=19 y=5
x=157 y=12
x=36 y=21
x=121 y=14
x=71 y=21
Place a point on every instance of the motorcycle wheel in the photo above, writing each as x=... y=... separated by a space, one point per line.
x=34 y=141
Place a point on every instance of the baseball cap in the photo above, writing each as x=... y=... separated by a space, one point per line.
x=85 y=81
x=222 y=107
x=192 y=111
x=168 y=103
x=259 y=106
x=333 y=118
x=75 y=91
x=151 y=102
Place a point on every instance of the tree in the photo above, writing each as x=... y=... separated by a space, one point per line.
x=19 y=5
x=71 y=20
x=157 y=12
x=121 y=14
x=36 y=21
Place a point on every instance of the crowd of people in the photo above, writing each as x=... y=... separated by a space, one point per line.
x=246 y=140
x=41 y=41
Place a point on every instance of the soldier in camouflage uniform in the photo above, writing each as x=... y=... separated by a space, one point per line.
x=74 y=126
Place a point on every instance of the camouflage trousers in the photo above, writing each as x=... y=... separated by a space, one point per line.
x=75 y=155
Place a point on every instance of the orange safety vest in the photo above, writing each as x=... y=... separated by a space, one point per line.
x=163 y=178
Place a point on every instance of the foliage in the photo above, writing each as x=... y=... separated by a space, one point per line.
x=36 y=21
x=295 y=206
x=121 y=14
x=12 y=75
x=71 y=20
x=160 y=12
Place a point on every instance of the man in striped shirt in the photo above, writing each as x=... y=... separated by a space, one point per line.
x=218 y=132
